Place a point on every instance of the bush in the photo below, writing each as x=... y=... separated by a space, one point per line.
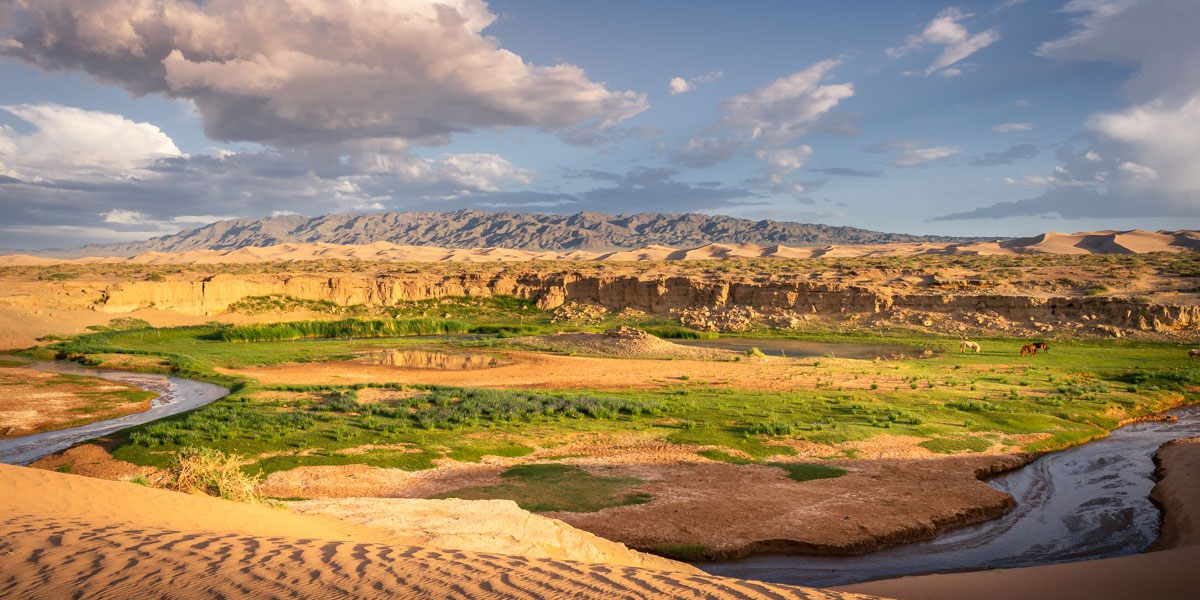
x=681 y=333
x=214 y=473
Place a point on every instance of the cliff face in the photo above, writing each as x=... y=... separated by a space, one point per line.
x=661 y=295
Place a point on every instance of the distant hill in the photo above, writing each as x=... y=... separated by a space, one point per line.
x=523 y=231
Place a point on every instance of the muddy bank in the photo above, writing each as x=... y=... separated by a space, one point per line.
x=1177 y=493
x=722 y=510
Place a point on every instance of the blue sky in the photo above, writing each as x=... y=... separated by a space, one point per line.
x=122 y=120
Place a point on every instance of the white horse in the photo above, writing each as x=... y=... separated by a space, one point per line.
x=965 y=345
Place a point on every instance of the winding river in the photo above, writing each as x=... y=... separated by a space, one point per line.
x=1087 y=502
x=175 y=395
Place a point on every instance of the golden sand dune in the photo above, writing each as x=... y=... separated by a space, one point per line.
x=66 y=536
x=1087 y=242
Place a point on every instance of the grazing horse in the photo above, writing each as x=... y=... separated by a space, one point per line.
x=1194 y=352
x=1043 y=346
x=1030 y=349
x=965 y=345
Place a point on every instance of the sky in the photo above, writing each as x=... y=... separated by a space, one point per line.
x=126 y=119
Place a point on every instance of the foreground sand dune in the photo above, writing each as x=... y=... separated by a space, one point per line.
x=67 y=536
x=1087 y=242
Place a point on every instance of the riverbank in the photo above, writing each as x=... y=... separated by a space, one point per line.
x=35 y=401
x=67 y=535
x=1167 y=573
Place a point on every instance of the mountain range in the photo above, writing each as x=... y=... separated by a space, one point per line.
x=480 y=229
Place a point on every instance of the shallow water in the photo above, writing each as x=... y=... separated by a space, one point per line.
x=1087 y=502
x=175 y=395
x=427 y=359
x=802 y=349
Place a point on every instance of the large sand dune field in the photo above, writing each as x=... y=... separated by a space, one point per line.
x=1088 y=242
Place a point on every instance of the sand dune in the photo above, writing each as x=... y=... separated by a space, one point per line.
x=1087 y=242
x=67 y=536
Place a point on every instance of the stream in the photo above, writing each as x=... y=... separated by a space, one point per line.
x=175 y=395
x=1083 y=503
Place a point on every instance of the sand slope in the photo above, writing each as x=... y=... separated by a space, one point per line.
x=1086 y=242
x=66 y=536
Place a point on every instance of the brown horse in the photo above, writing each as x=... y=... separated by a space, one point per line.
x=1030 y=349
x=1042 y=346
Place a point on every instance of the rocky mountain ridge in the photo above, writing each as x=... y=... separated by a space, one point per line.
x=480 y=229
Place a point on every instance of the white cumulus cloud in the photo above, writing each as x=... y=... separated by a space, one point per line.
x=73 y=142
x=679 y=85
x=957 y=43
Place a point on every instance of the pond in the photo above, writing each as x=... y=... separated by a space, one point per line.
x=429 y=359
x=802 y=349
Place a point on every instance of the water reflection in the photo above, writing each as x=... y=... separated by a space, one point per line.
x=427 y=359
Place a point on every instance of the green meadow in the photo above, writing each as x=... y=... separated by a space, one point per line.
x=957 y=402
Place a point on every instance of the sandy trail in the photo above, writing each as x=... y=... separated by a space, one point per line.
x=71 y=536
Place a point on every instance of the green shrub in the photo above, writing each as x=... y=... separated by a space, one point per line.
x=346 y=328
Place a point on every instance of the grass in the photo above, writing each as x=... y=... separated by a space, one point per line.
x=556 y=487
x=952 y=445
x=681 y=333
x=809 y=471
x=1081 y=390
x=476 y=452
x=346 y=328
x=723 y=456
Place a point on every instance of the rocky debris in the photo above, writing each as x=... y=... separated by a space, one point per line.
x=727 y=319
x=578 y=313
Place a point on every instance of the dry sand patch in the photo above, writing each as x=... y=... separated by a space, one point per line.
x=534 y=370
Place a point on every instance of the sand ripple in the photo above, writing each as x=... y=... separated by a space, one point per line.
x=50 y=558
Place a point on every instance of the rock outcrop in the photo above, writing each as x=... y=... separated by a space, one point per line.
x=775 y=300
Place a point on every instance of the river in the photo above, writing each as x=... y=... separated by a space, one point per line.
x=1086 y=502
x=175 y=395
